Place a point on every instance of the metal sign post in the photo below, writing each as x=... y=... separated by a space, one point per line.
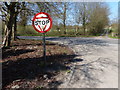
x=44 y=48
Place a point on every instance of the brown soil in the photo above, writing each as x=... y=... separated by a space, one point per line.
x=23 y=65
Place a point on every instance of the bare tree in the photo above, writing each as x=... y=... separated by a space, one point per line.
x=82 y=14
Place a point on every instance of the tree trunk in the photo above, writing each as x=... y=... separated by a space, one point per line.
x=10 y=23
x=9 y=35
x=9 y=26
x=15 y=28
x=5 y=37
x=76 y=30
x=64 y=18
x=84 y=19
x=84 y=28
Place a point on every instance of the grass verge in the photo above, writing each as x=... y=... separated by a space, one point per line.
x=113 y=37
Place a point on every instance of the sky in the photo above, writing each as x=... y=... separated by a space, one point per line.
x=113 y=10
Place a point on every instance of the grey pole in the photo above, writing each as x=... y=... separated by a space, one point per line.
x=44 y=49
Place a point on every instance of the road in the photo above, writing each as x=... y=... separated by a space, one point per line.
x=96 y=63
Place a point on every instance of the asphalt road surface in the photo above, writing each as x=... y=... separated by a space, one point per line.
x=96 y=63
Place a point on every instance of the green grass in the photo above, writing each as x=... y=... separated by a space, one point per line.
x=113 y=37
x=29 y=31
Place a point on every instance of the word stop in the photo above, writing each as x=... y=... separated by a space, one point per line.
x=41 y=22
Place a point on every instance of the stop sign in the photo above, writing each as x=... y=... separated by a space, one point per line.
x=42 y=22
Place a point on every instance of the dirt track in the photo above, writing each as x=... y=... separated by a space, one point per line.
x=96 y=63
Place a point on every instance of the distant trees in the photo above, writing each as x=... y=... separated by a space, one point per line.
x=92 y=15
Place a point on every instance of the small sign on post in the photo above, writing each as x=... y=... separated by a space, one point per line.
x=42 y=22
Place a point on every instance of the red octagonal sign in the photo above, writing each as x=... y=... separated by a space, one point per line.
x=42 y=22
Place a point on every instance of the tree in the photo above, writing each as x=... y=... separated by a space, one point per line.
x=82 y=14
x=98 y=18
x=10 y=11
x=65 y=8
x=9 y=21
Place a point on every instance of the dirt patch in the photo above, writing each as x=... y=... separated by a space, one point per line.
x=23 y=64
